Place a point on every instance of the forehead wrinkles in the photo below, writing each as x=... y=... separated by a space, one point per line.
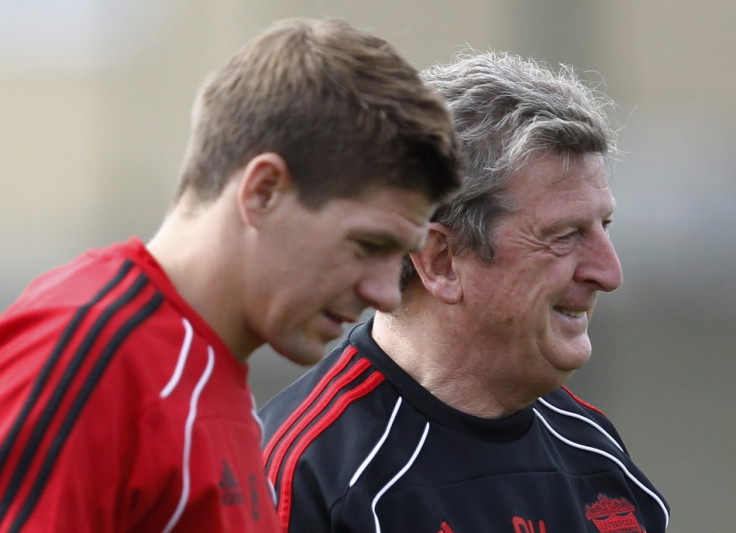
x=546 y=196
x=587 y=168
x=550 y=174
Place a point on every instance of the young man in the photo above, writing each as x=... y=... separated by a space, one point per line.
x=450 y=413
x=315 y=161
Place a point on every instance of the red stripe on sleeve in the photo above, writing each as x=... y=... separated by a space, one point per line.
x=313 y=412
x=284 y=500
x=349 y=352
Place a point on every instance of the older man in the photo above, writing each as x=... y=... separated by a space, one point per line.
x=449 y=414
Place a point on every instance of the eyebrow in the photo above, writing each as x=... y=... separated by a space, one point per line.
x=386 y=239
x=575 y=221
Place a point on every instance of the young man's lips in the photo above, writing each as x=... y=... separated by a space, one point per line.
x=339 y=319
x=334 y=325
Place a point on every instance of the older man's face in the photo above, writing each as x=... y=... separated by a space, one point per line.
x=552 y=257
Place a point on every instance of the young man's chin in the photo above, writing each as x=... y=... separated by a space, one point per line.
x=304 y=350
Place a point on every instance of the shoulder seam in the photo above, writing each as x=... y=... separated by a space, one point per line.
x=88 y=383
x=306 y=404
x=59 y=348
x=583 y=402
x=287 y=476
x=349 y=379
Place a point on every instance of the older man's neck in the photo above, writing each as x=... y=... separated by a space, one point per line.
x=443 y=365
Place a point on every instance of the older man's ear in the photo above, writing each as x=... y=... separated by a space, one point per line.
x=435 y=264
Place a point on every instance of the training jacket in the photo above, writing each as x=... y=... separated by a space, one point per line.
x=357 y=445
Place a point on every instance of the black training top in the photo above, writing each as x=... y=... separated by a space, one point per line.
x=357 y=445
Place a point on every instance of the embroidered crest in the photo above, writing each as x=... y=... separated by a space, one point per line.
x=611 y=515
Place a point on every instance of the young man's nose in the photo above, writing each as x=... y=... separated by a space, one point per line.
x=380 y=286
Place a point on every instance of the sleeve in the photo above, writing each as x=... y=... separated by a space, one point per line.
x=71 y=435
x=307 y=513
x=606 y=424
x=313 y=440
x=290 y=474
x=63 y=468
x=67 y=434
x=306 y=485
x=595 y=413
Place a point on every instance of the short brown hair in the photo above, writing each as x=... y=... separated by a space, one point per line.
x=342 y=108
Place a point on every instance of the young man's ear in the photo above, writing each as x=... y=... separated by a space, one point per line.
x=263 y=183
x=435 y=266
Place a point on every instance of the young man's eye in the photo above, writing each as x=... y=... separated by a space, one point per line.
x=371 y=248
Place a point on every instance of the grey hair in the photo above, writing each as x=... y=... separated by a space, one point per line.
x=506 y=110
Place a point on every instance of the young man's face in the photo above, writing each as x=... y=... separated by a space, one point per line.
x=321 y=268
x=553 y=255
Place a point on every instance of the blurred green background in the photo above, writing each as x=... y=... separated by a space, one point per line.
x=94 y=115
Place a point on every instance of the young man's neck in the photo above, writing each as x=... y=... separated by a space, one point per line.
x=191 y=247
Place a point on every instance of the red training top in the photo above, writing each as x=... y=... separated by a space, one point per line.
x=121 y=409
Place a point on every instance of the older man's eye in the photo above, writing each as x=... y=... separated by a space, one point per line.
x=570 y=235
x=565 y=243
